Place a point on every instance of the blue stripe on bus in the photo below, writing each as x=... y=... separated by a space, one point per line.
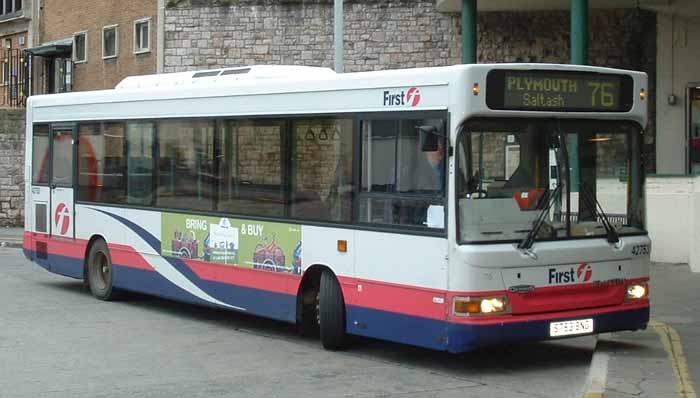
x=456 y=338
x=67 y=266
x=400 y=328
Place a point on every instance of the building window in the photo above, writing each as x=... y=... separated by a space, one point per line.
x=5 y=78
x=10 y=6
x=142 y=36
x=80 y=47
x=110 y=41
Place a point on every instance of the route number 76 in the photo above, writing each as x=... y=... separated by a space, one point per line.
x=602 y=94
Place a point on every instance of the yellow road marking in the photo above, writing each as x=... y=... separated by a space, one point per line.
x=672 y=344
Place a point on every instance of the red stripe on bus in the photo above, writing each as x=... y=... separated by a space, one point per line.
x=126 y=256
x=397 y=298
x=278 y=282
x=581 y=313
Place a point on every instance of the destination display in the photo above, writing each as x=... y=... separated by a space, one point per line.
x=558 y=91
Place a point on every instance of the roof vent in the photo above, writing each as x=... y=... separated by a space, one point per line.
x=206 y=74
x=223 y=76
x=235 y=71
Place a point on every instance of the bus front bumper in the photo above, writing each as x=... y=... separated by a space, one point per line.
x=467 y=336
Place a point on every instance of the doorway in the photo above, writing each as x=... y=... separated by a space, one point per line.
x=694 y=128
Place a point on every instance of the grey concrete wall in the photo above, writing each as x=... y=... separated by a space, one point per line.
x=12 y=126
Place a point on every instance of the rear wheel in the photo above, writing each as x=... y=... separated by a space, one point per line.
x=331 y=313
x=100 y=273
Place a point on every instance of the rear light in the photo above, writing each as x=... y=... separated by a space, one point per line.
x=637 y=291
x=471 y=306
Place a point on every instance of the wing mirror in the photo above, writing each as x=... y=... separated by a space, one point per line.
x=428 y=136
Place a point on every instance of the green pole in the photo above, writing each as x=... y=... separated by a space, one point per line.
x=469 y=31
x=579 y=32
x=579 y=56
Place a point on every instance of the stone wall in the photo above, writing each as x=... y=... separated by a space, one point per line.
x=388 y=34
x=12 y=166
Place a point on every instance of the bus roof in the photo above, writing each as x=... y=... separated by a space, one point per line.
x=301 y=89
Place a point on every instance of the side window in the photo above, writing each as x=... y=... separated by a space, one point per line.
x=40 y=154
x=322 y=177
x=186 y=164
x=403 y=181
x=101 y=162
x=251 y=167
x=139 y=163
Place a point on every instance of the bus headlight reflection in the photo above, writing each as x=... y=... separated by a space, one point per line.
x=637 y=291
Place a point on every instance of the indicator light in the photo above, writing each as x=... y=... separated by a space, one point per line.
x=469 y=306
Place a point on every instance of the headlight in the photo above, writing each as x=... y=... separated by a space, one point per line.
x=469 y=306
x=637 y=291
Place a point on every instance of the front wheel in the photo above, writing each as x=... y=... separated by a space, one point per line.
x=100 y=272
x=331 y=313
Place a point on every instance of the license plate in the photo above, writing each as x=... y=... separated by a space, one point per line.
x=568 y=328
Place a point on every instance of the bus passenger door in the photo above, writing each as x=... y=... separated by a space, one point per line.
x=61 y=182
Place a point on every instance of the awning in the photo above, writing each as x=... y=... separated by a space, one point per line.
x=56 y=47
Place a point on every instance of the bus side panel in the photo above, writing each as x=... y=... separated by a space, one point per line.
x=400 y=288
x=321 y=247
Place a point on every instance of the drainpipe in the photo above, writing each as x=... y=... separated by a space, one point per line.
x=160 y=37
x=338 y=35
x=469 y=40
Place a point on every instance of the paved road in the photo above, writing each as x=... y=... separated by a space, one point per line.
x=57 y=341
x=675 y=295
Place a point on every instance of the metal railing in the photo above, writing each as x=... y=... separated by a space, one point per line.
x=14 y=78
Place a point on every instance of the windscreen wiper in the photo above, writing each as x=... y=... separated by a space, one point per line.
x=527 y=242
x=588 y=196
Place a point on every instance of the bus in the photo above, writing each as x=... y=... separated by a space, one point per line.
x=446 y=207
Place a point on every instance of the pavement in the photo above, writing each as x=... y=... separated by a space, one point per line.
x=662 y=361
x=11 y=237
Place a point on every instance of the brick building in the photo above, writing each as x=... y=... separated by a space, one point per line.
x=92 y=46
x=16 y=35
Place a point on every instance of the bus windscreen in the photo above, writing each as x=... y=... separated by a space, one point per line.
x=564 y=91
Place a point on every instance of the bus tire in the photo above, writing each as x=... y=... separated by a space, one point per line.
x=100 y=272
x=331 y=313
